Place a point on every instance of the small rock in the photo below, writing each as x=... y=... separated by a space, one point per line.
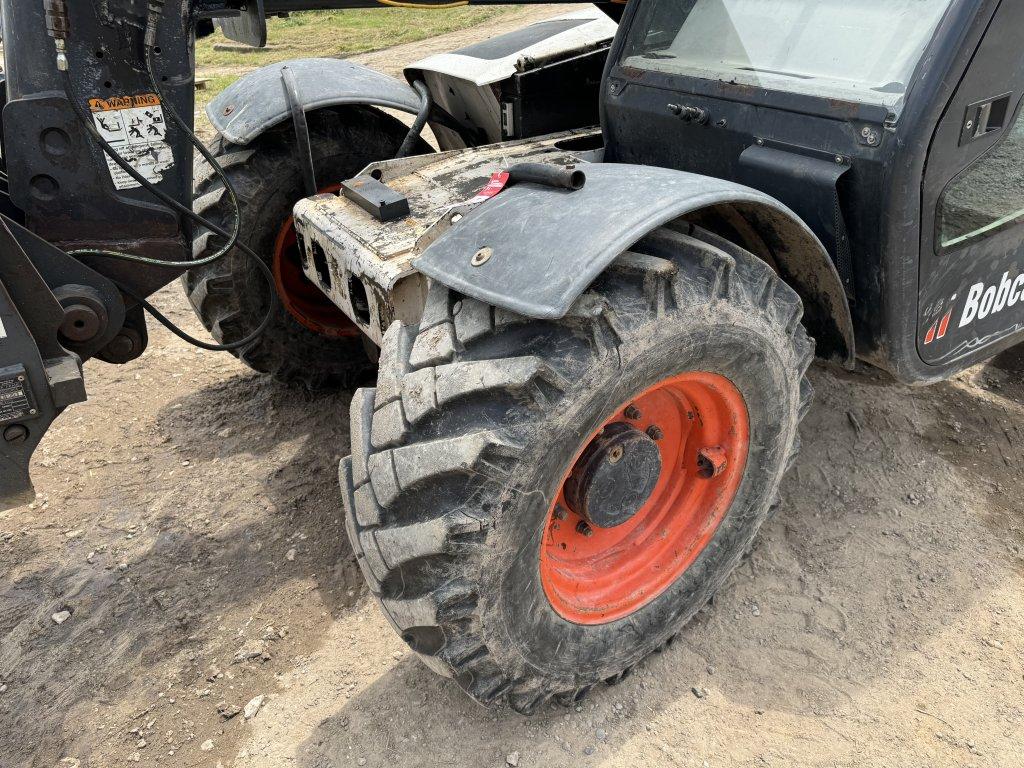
x=246 y=652
x=994 y=644
x=700 y=693
x=227 y=711
x=140 y=744
x=253 y=707
x=601 y=734
x=588 y=750
x=290 y=555
x=73 y=534
x=361 y=761
x=207 y=745
x=512 y=759
x=61 y=616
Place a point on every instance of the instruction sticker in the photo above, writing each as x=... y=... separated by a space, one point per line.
x=134 y=126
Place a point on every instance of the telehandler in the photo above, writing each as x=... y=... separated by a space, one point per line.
x=590 y=344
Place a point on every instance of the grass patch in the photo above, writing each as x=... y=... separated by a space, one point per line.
x=342 y=33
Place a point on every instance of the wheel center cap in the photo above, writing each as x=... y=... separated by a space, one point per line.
x=615 y=476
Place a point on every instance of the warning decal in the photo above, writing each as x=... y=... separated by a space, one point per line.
x=135 y=128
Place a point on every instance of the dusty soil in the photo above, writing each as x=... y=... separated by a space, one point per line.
x=188 y=520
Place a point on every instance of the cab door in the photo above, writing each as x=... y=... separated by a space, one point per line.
x=971 y=301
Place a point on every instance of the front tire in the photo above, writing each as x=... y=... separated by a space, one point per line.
x=455 y=490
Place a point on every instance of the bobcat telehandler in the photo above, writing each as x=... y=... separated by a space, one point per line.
x=590 y=344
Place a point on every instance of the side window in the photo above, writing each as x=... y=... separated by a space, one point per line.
x=986 y=197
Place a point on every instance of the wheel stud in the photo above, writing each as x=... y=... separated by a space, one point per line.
x=654 y=432
x=560 y=512
x=711 y=462
x=583 y=529
x=632 y=412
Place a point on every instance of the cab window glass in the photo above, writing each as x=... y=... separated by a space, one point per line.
x=988 y=196
x=857 y=50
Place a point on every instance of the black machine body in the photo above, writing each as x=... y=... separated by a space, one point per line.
x=902 y=148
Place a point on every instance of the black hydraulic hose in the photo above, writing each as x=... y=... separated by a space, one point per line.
x=426 y=105
x=87 y=123
x=177 y=331
x=556 y=176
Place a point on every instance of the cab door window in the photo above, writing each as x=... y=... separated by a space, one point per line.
x=988 y=196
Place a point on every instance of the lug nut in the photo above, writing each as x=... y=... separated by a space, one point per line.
x=632 y=412
x=560 y=512
x=615 y=454
x=583 y=529
x=654 y=432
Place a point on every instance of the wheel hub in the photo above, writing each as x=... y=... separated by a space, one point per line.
x=643 y=497
x=615 y=476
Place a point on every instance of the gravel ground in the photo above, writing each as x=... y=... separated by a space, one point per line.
x=185 y=560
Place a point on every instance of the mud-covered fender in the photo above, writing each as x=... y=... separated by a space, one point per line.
x=257 y=101
x=548 y=245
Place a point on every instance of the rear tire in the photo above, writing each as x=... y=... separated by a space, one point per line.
x=478 y=416
x=231 y=296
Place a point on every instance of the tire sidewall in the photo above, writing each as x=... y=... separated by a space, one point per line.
x=726 y=343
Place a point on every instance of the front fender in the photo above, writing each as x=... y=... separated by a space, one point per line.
x=257 y=101
x=549 y=245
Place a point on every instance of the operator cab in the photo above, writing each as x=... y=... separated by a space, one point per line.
x=893 y=129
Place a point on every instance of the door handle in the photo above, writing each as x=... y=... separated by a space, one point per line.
x=983 y=118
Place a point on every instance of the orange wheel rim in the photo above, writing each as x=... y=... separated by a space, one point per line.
x=300 y=296
x=593 y=574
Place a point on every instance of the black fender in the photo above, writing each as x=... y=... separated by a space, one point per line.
x=257 y=101
x=547 y=245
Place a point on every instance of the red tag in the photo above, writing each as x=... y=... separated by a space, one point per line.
x=494 y=186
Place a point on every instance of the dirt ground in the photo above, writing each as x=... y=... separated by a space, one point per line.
x=189 y=522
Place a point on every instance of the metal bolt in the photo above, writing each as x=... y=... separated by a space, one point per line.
x=481 y=257
x=840 y=160
x=121 y=346
x=15 y=434
x=561 y=512
x=229 y=109
x=865 y=131
x=615 y=454
x=760 y=142
x=632 y=412
x=654 y=432
x=970 y=125
x=583 y=529
x=873 y=139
